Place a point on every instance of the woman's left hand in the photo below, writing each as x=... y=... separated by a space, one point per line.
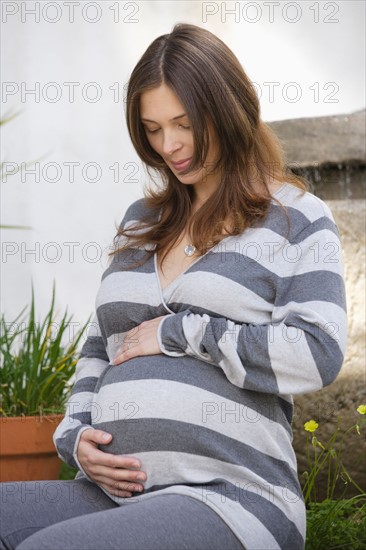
x=141 y=340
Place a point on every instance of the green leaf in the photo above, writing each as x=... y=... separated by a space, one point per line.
x=36 y=362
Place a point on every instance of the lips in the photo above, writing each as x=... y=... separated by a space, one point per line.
x=181 y=165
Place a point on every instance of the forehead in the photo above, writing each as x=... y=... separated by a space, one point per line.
x=160 y=103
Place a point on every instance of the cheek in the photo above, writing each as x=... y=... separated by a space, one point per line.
x=154 y=144
x=150 y=139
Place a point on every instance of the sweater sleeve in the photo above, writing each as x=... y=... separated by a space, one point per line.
x=302 y=349
x=91 y=364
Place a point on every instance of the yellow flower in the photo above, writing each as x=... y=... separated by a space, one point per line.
x=361 y=409
x=311 y=426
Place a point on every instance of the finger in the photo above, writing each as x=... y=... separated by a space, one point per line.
x=96 y=436
x=116 y=492
x=119 y=485
x=120 y=474
x=97 y=457
x=127 y=354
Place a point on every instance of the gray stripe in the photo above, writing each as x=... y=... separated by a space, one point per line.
x=258 y=279
x=283 y=530
x=180 y=307
x=324 y=349
x=274 y=519
x=117 y=317
x=94 y=348
x=86 y=384
x=65 y=446
x=214 y=331
x=139 y=435
x=252 y=348
x=320 y=224
x=322 y=285
x=319 y=286
x=138 y=210
x=84 y=417
x=123 y=260
x=207 y=377
x=300 y=227
x=172 y=334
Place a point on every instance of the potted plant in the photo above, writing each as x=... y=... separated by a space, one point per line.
x=36 y=371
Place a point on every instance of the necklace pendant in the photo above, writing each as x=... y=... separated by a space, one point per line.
x=189 y=250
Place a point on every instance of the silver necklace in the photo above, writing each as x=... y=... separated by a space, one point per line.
x=189 y=250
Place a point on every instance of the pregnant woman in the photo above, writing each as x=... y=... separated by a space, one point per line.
x=223 y=297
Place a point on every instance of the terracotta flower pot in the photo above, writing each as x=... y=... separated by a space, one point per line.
x=27 y=451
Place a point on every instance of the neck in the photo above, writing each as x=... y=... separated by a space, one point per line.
x=203 y=191
x=198 y=201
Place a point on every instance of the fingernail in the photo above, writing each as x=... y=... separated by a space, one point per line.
x=105 y=437
x=136 y=465
x=140 y=476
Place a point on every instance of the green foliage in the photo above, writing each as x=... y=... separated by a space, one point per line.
x=328 y=456
x=36 y=366
x=337 y=524
x=67 y=472
x=333 y=524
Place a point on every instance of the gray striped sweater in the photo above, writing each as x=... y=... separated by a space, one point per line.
x=260 y=317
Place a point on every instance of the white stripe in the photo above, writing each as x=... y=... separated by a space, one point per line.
x=328 y=316
x=120 y=286
x=198 y=287
x=285 y=342
x=80 y=402
x=320 y=250
x=189 y=468
x=307 y=204
x=89 y=366
x=231 y=363
x=170 y=400
x=181 y=468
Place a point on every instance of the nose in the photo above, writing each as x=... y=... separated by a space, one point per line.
x=171 y=143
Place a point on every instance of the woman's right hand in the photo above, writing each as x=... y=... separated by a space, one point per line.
x=108 y=470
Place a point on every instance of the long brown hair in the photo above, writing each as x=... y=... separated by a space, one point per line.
x=211 y=84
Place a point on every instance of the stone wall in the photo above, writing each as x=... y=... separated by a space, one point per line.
x=343 y=396
x=330 y=153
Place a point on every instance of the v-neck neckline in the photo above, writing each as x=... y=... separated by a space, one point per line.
x=162 y=290
x=165 y=289
x=166 y=292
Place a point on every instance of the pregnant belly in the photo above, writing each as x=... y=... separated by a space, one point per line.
x=153 y=408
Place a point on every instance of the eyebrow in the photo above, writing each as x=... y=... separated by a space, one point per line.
x=175 y=118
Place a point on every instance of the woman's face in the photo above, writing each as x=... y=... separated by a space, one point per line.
x=169 y=133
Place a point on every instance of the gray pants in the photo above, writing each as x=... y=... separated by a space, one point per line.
x=78 y=515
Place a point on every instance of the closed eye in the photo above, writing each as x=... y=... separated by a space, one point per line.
x=154 y=131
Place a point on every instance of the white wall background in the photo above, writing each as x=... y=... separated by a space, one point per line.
x=310 y=54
